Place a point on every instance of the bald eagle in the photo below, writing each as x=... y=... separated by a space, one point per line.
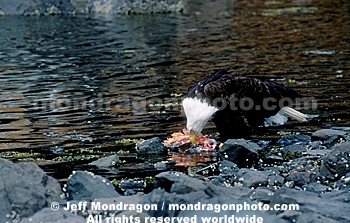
x=237 y=104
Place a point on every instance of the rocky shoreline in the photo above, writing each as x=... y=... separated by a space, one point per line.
x=71 y=7
x=307 y=176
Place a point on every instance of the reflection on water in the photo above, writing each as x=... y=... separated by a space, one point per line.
x=73 y=84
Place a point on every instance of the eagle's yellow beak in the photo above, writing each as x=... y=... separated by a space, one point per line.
x=193 y=137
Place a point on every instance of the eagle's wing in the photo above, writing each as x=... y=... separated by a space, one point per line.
x=239 y=85
x=229 y=86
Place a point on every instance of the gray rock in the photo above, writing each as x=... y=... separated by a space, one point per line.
x=310 y=203
x=79 y=5
x=344 y=182
x=294 y=139
x=83 y=185
x=333 y=140
x=240 y=192
x=160 y=166
x=135 y=199
x=176 y=182
x=316 y=188
x=109 y=163
x=336 y=163
x=291 y=216
x=314 y=218
x=219 y=181
x=316 y=145
x=273 y=159
x=337 y=195
x=276 y=180
x=240 y=152
x=247 y=214
x=262 y=194
x=325 y=134
x=228 y=168
x=179 y=183
x=252 y=178
x=36 y=7
x=25 y=189
x=48 y=215
x=136 y=185
x=317 y=152
x=132 y=7
x=301 y=178
x=161 y=197
x=133 y=214
x=151 y=146
x=294 y=149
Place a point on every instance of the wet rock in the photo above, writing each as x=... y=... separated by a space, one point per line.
x=275 y=180
x=263 y=143
x=227 y=168
x=301 y=178
x=240 y=192
x=24 y=190
x=337 y=162
x=179 y=183
x=273 y=159
x=161 y=197
x=314 y=218
x=337 y=195
x=83 y=185
x=129 y=192
x=135 y=199
x=227 y=215
x=217 y=216
x=294 y=139
x=325 y=134
x=219 y=181
x=133 y=214
x=240 y=152
x=262 y=194
x=252 y=178
x=333 y=140
x=317 y=152
x=164 y=165
x=317 y=145
x=160 y=166
x=289 y=184
x=176 y=182
x=48 y=215
x=316 y=188
x=305 y=163
x=151 y=146
x=344 y=182
x=310 y=203
x=136 y=185
x=132 y=7
x=109 y=163
x=294 y=150
x=36 y=7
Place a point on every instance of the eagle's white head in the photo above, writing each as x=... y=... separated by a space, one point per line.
x=197 y=113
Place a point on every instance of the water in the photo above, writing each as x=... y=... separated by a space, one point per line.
x=72 y=86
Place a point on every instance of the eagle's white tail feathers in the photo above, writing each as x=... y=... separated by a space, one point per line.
x=292 y=113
